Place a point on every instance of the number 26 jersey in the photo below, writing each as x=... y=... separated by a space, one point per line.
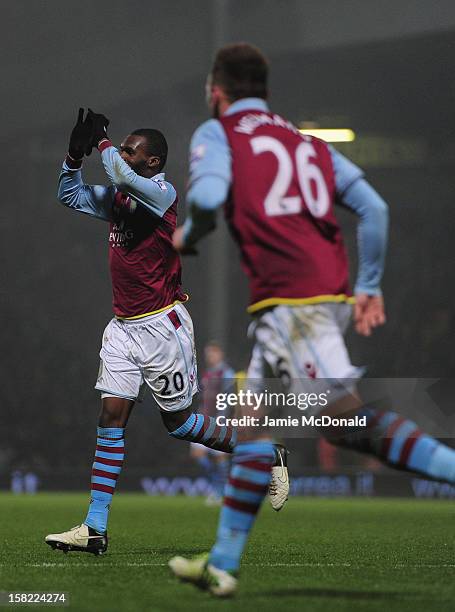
x=281 y=212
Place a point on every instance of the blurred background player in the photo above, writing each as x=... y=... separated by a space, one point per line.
x=150 y=341
x=218 y=377
x=279 y=189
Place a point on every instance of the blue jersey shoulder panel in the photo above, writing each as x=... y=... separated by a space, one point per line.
x=346 y=172
x=209 y=152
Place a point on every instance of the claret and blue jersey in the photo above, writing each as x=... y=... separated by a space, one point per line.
x=279 y=188
x=142 y=212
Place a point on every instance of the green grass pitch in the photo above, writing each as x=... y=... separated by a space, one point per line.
x=322 y=555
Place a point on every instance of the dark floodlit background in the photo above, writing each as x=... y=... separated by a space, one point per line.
x=384 y=69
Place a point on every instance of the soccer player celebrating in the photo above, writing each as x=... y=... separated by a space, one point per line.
x=149 y=343
x=279 y=188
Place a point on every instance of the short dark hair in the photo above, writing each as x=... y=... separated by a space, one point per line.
x=156 y=144
x=241 y=70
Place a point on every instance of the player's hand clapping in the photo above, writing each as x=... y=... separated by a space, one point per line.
x=368 y=313
x=81 y=136
x=99 y=123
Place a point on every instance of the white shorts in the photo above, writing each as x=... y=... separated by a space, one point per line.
x=157 y=352
x=301 y=342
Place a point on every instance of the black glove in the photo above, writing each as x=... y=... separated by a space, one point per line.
x=100 y=123
x=81 y=136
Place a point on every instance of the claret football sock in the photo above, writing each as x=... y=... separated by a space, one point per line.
x=399 y=443
x=246 y=488
x=204 y=430
x=106 y=468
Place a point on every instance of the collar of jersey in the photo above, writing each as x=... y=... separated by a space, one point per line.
x=158 y=177
x=257 y=104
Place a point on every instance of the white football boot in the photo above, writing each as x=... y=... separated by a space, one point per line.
x=279 y=482
x=203 y=575
x=81 y=538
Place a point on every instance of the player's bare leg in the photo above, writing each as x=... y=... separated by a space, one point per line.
x=91 y=535
x=115 y=412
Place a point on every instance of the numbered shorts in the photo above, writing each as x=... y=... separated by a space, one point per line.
x=301 y=343
x=156 y=352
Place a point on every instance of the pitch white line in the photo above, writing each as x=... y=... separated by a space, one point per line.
x=396 y=566
x=95 y=565
x=101 y=565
